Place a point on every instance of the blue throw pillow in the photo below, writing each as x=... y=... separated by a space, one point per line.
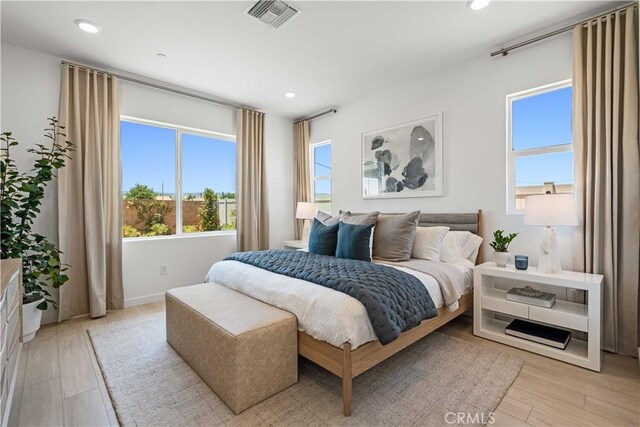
x=353 y=241
x=323 y=239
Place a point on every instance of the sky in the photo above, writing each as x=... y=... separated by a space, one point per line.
x=149 y=153
x=543 y=120
x=149 y=158
x=322 y=166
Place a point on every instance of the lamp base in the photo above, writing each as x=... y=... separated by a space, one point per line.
x=306 y=229
x=549 y=261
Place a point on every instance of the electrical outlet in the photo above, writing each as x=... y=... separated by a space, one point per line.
x=163 y=269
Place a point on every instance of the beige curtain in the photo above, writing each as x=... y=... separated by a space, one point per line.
x=301 y=187
x=607 y=168
x=251 y=195
x=89 y=199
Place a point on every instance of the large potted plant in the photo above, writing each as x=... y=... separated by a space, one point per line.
x=21 y=195
x=500 y=245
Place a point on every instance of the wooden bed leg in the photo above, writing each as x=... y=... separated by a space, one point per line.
x=347 y=380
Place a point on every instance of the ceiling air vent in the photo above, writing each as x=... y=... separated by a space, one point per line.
x=274 y=13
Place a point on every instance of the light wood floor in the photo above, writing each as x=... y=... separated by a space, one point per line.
x=63 y=384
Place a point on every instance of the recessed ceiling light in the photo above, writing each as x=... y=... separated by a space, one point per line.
x=290 y=94
x=88 y=26
x=477 y=4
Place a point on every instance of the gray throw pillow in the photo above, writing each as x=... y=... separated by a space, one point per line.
x=327 y=219
x=393 y=236
x=360 y=219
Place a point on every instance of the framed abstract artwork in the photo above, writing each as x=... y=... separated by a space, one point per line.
x=404 y=160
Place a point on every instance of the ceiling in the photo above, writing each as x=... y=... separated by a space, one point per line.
x=330 y=54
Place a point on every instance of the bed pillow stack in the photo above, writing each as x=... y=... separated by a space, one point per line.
x=394 y=235
x=390 y=237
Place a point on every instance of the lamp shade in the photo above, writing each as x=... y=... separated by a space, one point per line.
x=550 y=209
x=306 y=210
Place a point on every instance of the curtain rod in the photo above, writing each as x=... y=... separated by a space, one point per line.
x=504 y=51
x=324 y=113
x=157 y=86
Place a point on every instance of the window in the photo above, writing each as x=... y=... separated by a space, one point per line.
x=176 y=180
x=321 y=175
x=539 y=143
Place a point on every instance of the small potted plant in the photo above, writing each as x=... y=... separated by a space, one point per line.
x=500 y=245
x=21 y=195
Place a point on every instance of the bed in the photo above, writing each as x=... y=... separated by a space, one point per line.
x=334 y=329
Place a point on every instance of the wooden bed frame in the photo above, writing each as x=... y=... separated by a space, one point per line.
x=348 y=364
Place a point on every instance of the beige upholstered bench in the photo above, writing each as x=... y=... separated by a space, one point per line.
x=244 y=349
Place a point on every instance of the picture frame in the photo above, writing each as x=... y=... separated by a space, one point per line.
x=404 y=160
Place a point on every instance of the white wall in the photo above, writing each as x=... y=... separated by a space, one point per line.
x=187 y=259
x=471 y=97
x=278 y=134
x=148 y=103
x=30 y=92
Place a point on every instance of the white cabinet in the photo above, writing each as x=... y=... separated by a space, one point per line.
x=10 y=332
x=493 y=312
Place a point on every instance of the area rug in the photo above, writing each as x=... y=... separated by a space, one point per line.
x=427 y=384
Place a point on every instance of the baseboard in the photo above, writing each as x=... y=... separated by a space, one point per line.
x=130 y=302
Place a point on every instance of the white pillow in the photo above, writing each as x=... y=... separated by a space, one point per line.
x=453 y=246
x=427 y=242
x=472 y=247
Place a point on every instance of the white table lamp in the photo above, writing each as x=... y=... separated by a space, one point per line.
x=549 y=210
x=306 y=211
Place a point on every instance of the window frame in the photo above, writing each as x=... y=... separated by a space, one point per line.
x=179 y=130
x=313 y=178
x=513 y=155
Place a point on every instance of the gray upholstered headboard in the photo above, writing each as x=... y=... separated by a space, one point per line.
x=455 y=221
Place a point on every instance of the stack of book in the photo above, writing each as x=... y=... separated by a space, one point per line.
x=528 y=295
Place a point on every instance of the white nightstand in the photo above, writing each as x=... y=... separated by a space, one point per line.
x=294 y=244
x=492 y=312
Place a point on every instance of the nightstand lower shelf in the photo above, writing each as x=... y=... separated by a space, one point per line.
x=576 y=352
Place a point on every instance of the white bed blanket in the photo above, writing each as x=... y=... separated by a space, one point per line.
x=325 y=314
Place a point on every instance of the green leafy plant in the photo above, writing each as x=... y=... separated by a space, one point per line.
x=231 y=226
x=187 y=228
x=21 y=195
x=140 y=192
x=158 y=230
x=129 y=231
x=208 y=211
x=227 y=195
x=149 y=211
x=501 y=242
